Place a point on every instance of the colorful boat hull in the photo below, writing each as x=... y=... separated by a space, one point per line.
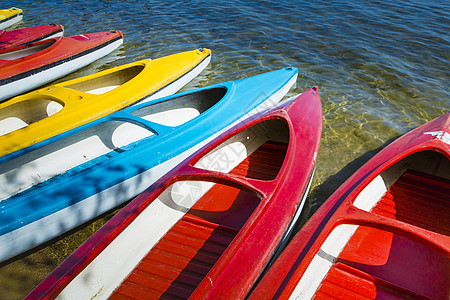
x=226 y=230
x=31 y=118
x=26 y=67
x=98 y=182
x=383 y=234
x=9 y=17
x=22 y=36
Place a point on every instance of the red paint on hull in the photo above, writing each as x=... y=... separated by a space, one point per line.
x=401 y=247
x=18 y=37
x=193 y=246
x=239 y=241
x=54 y=51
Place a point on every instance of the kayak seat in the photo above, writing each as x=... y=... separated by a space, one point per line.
x=377 y=264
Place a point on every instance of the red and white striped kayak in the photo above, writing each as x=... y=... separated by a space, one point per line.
x=384 y=234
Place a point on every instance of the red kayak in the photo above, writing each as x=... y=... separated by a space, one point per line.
x=208 y=228
x=22 y=36
x=26 y=67
x=384 y=234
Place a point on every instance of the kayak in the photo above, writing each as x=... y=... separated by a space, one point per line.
x=9 y=17
x=384 y=234
x=206 y=229
x=91 y=169
x=26 y=67
x=22 y=36
x=31 y=118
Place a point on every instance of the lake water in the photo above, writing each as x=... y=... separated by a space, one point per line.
x=382 y=69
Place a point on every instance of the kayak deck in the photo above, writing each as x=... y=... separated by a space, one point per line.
x=380 y=264
x=185 y=255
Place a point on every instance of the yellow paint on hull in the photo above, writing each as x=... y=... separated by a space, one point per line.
x=44 y=113
x=9 y=14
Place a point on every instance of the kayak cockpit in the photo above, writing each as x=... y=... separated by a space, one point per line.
x=257 y=152
x=182 y=258
x=428 y=162
x=211 y=214
x=23 y=113
x=381 y=264
x=393 y=246
x=107 y=82
x=26 y=50
x=181 y=109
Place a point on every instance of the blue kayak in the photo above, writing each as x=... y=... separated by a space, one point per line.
x=98 y=166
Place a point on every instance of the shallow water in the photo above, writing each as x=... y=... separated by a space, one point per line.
x=382 y=69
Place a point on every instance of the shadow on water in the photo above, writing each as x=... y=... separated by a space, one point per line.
x=322 y=192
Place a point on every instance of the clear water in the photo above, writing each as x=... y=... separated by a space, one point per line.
x=382 y=69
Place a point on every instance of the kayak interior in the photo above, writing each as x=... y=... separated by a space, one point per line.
x=265 y=138
x=429 y=162
x=107 y=82
x=193 y=222
x=179 y=110
x=370 y=260
x=23 y=113
x=26 y=50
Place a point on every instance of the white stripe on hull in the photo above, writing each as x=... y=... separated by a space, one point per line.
x=11 y=22
x=20 y=86
x=44 y=229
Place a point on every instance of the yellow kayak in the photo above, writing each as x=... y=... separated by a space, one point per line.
x=9 y=17
x=36 y=116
